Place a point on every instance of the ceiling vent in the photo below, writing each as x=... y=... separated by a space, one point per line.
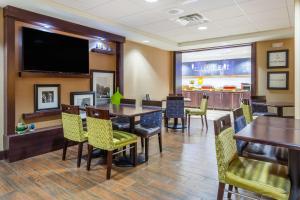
x=192 y=20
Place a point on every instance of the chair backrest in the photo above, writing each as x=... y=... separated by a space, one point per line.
x=72 y=123
x=257 y=104
x=152 y=103
x=100 y=130
x=70 y=109
x=128 y=101
x=175 y=107
x=239 y=124
x=247 y=110
x=204 y=103
x=151 y=120
x=225 y=145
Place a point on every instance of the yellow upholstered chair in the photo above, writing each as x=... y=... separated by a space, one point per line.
x=102 y=136
x=247 y=111
x=73 y=130
x=264 y=178
x=201 y=111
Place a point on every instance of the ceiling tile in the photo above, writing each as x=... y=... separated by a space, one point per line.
x=254 y=6
x=82 y=4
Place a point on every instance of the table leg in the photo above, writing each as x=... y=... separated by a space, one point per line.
x=280 y=111
x=294 y=165
x=175 y=122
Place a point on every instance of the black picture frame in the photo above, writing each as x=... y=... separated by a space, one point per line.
x=286 y=87
x=286 y=51
x=102 y=100
x=36 y=97
x=84 y=93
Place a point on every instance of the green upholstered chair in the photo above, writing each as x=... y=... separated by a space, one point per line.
x=198 y=111
x=101 y=135
x=245 y=105
x=264 y=178
x=73 y=130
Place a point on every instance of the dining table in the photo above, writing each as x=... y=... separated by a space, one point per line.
x=130 y=111
x=278 y=105
x=280 y=132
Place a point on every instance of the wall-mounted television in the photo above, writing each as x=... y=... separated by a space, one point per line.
x=51 y=52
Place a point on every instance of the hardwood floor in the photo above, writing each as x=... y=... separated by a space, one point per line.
x=186 y=170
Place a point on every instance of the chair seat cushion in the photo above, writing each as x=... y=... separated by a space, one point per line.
x=121 y=125
x=122 y=138
x=146 y=132
x=195 y=111
x=268 y=179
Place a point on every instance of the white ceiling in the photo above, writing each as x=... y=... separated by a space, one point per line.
x=230 y=21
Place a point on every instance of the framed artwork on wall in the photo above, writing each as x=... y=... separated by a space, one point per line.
x=46 y=97
x=278 y=59
x=82 y=99
x=103 y=84
x=278 y=80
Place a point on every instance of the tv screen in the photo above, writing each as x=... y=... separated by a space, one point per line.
x=51 y=52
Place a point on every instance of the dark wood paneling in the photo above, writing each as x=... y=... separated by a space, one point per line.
x=120 y=66
x=9 y=76
x=32 y=144
x=47 y=75
x=177 y=72
x=58 y=24
x=253 y=69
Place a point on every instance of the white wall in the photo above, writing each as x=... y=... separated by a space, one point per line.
x=147 y=70
x=1 y=78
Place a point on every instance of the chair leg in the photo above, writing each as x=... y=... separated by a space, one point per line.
x=65 y=149
x=230 y=187
x=167 y=123
x=133 y=154
x=80 y=145
x=202 y=121
x=142 y=144
x=124 y=151
x=206 y=121
x=146 y=149
x=109 y=164
x=183 y=124
x=160 y=142
x=90 y=150
x=189 y=121
x=221 y=191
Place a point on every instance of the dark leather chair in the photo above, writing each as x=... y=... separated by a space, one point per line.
x=150 y=125
x=254 y=150
x=175 y=109
x=259 y=108
x=123 y=123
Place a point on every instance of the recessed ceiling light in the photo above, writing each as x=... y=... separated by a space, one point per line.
x=186 y=2
x=202 y=28
x=151 y=1
x=146 y=41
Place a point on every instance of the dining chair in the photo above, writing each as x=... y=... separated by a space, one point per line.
x=150 y=125
x=247 y=111
x=201 y=111
x=123 y=123
x=102 y=136
x=264 y=178
x=175 y=109
x=257 y=151
x=259 y=108
x=73 y=130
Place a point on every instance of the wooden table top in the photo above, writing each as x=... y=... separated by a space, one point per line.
x=277 y=104
x=273 y=131
x=128 y=110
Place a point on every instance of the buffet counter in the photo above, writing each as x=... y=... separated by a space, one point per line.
x=218 y=99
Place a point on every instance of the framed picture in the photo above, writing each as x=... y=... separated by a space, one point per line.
x=103 y=84
x=46 y=97
x=278 y=80
x=82 y=99
x=278 y=59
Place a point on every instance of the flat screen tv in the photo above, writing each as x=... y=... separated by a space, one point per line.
x=51 y=52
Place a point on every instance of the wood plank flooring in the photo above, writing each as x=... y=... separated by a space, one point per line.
x=186 y=170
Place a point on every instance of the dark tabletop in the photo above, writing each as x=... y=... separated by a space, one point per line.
x=272 y=131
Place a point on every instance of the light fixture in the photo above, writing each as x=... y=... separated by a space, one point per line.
x=146 y=41
x=151 y=1
x=202 y=28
